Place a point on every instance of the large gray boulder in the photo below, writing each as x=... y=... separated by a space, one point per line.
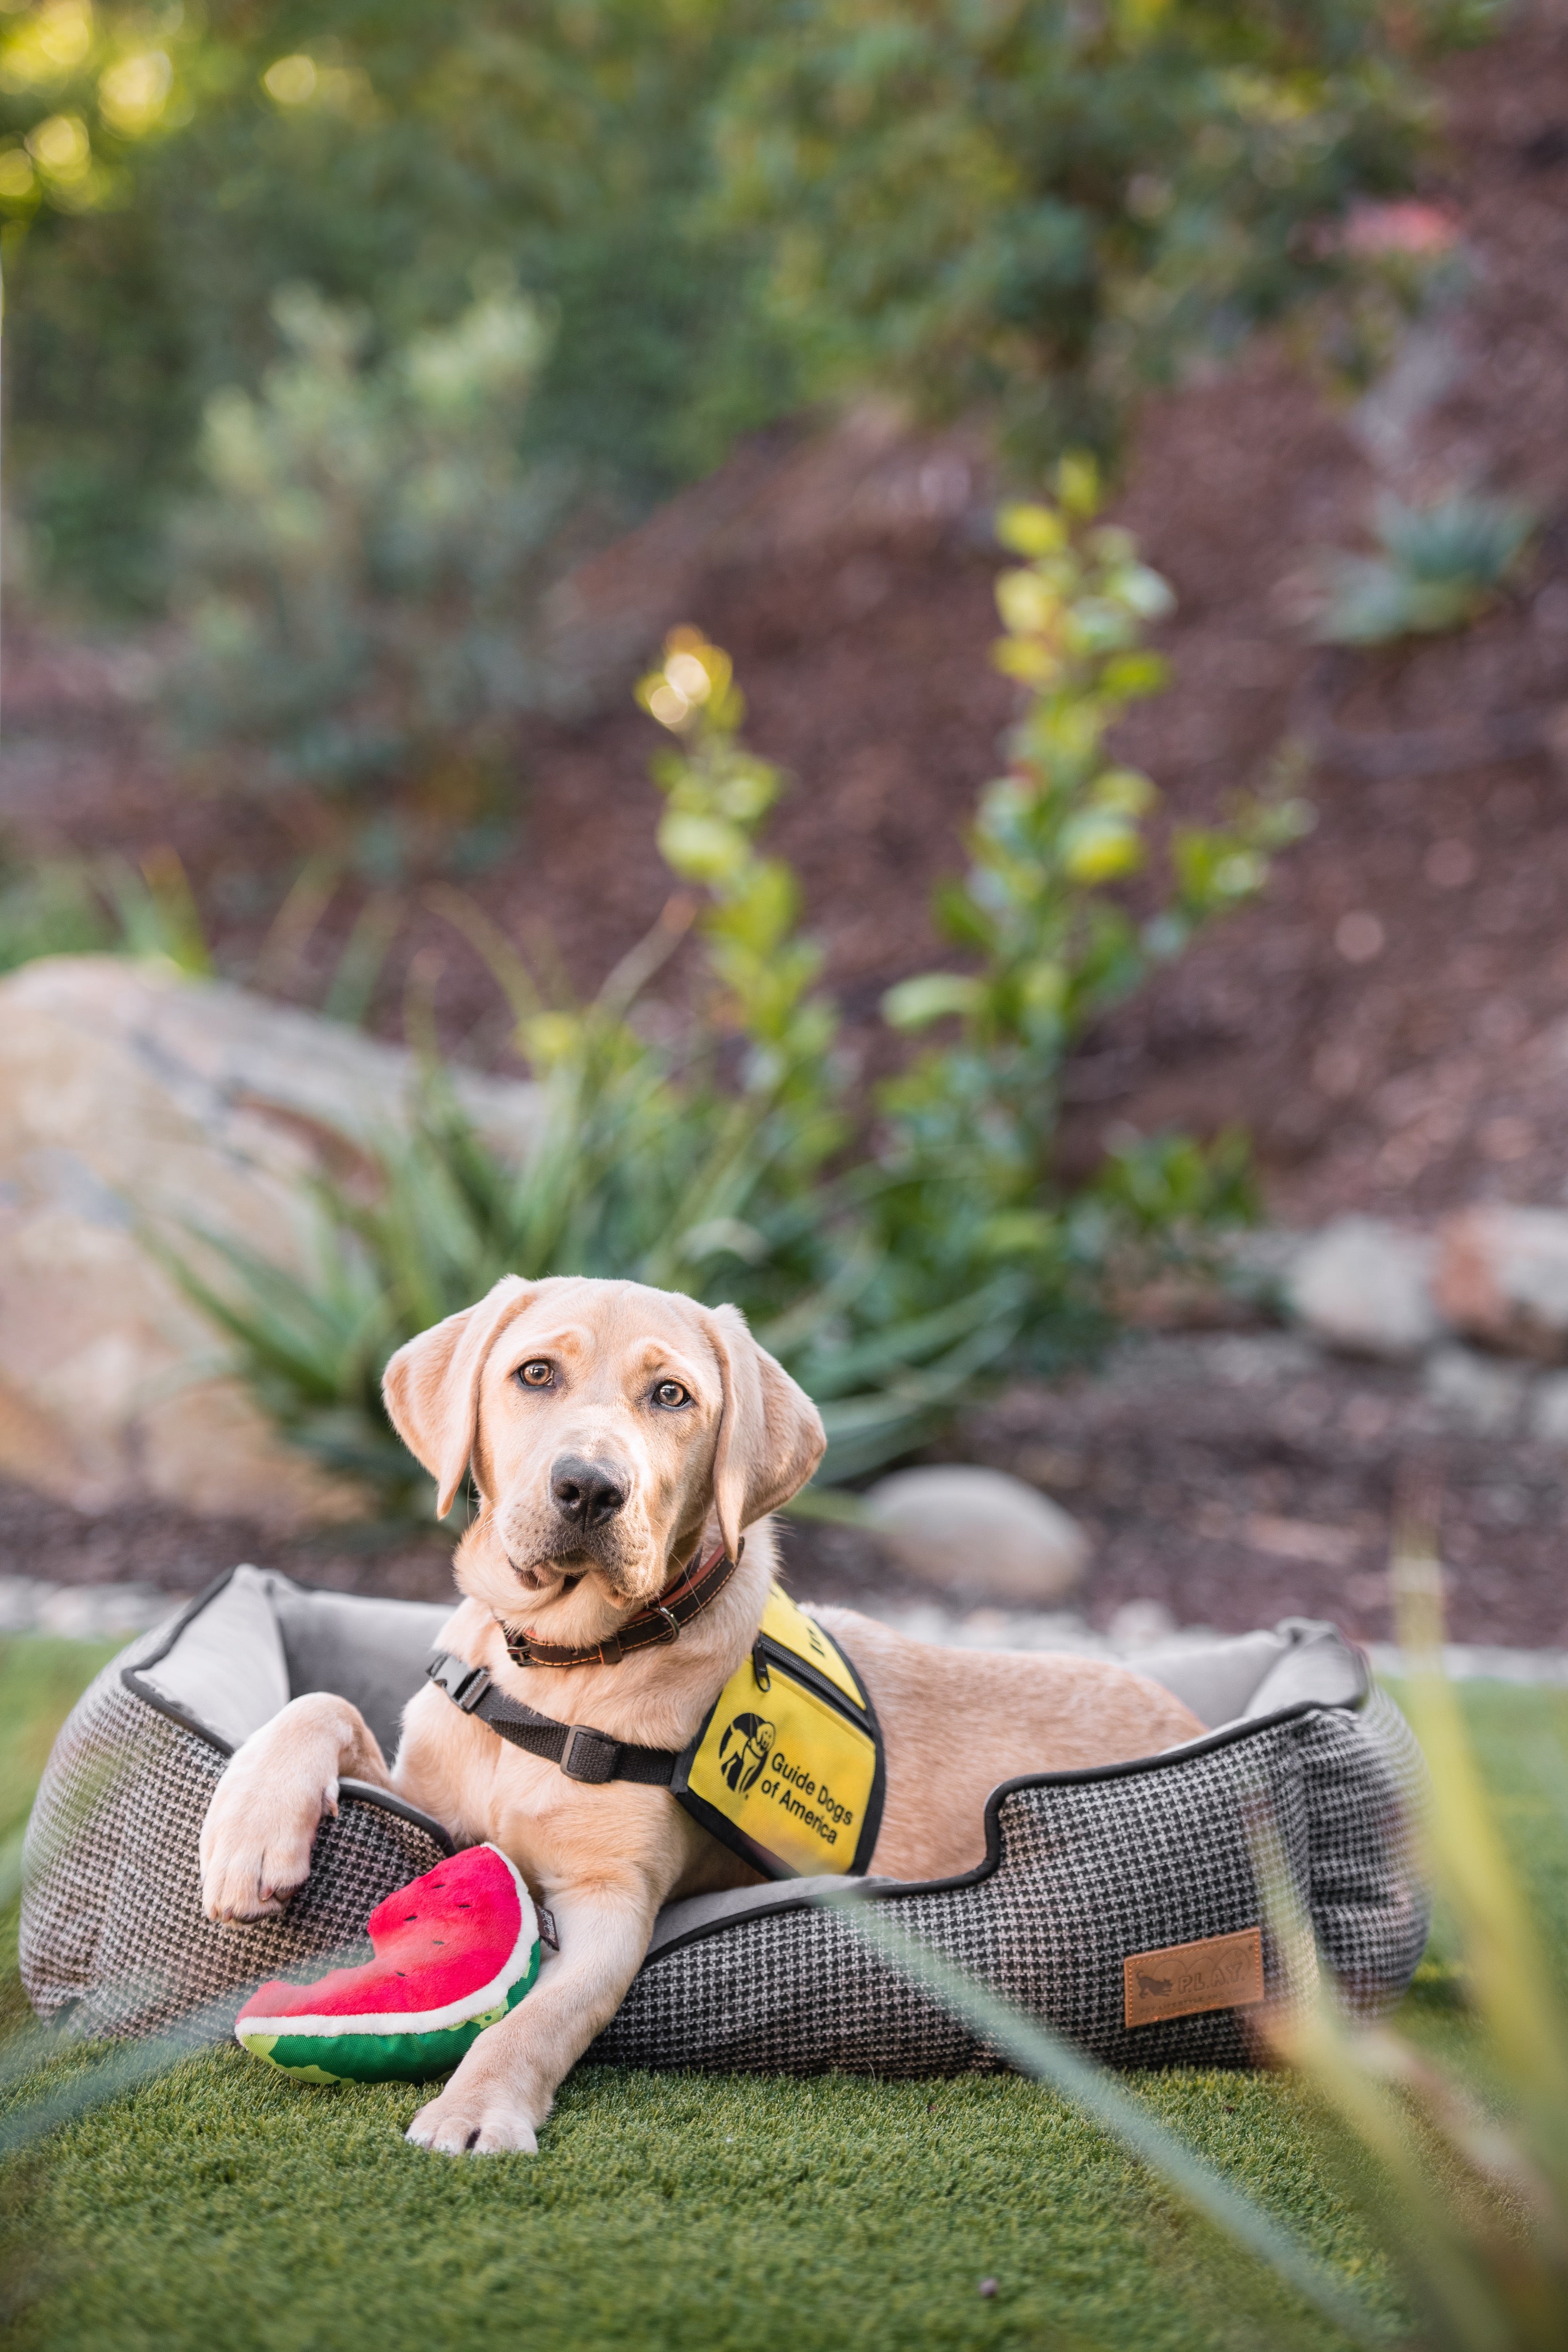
x=134 y=1101
x=979 y=1532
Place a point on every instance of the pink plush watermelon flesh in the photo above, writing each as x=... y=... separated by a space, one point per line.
x=452 y=1950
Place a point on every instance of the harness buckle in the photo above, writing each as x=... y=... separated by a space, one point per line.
x=589 y=1755
x=463 y=1684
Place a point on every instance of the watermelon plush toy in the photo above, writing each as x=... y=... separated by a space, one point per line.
x=454 y=1951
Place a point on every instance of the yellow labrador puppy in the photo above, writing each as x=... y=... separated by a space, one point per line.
x=616 y=1436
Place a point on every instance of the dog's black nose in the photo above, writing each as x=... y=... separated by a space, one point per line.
x=585 y=1491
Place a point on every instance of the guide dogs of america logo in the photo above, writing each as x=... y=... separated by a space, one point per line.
x=743 y=1752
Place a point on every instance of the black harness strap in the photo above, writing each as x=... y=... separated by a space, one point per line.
x=582 y=1753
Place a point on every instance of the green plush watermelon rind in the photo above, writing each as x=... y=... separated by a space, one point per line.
x=379 y=2057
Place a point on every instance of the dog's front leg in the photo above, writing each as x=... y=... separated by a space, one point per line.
x=262 y=1822
x=505 y=2089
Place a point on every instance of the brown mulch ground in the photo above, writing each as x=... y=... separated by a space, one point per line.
x=1429 y=1071
x=1242 y=1477
x=1405 y=1063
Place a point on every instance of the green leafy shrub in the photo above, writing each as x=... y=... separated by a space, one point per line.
x=894 y=1257
x=1039 y=207
x=375 y=154
x=1053 y=939
x=1438 y=568
x=360 y=581
x=730 y=204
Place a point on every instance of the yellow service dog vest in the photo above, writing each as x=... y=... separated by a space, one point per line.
x=787 y=1769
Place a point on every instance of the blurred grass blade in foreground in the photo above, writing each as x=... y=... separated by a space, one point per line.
x=1037 y=2052
x=1465 y=2183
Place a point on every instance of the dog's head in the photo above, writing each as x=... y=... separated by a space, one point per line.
x=604 y=1423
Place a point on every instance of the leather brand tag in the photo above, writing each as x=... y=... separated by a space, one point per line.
x=1185 y=1979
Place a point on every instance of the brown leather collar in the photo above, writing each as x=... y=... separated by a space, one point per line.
x=686 y=1597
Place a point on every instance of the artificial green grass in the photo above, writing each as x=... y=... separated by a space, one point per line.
x=221 y=2204
x=40 y=1680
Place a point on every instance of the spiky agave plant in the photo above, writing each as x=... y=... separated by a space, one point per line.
x=1436 y=569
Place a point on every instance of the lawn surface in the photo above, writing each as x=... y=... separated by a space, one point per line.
x=220 y=2205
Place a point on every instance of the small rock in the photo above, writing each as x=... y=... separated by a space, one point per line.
x=81 y=1612
x=981 y=1531
x=1501 y=1277
x=1140 y=1624
x=21 y=1597
x=1245 y=1359
x=1549 y=1410
x=1300 y=1539
x=1476 y=1390
x=1365 y=1286
x=1257 y=1262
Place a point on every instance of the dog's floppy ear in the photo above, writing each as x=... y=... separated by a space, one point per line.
x=770 y=1436
x=432 y=1384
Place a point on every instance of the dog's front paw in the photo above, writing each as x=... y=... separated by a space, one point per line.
x=255 y=1851
x=479 y=2122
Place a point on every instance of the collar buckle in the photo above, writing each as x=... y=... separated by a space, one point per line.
x=464 y=1685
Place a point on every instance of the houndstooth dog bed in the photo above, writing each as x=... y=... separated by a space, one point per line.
x=1104 y=1899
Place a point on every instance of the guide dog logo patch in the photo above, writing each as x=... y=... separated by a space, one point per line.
x=797 y=1790
x=743 y=1752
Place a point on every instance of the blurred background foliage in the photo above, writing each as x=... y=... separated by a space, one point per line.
x=360 y=581
x=721 y=212
x=171 y=168
x=82 y=906
x=1038 y=208
x=897 y=1257
x=340 y=329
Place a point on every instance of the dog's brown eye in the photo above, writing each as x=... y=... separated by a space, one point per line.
x=671 y=1395
x=537 y=1375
